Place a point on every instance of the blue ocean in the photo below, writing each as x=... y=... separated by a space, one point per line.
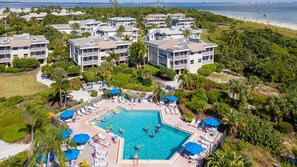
x=283 y=12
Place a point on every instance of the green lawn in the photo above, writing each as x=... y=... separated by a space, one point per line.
x=20 y=84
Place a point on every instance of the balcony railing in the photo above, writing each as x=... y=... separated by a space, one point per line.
x=207 y=61
x=38 y=48
x=180 y=66
x=90 y=54
x=3 y=60
x=121 y=50
x=39 y=56
x=180 y=57
x=123 y=58
x=90 y=62
x=4 y=51
x=207 y=53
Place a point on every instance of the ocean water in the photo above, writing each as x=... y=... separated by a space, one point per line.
x=160 y=147
x=282 y=12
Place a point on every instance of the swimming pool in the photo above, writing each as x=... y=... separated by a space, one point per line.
x=160 y=147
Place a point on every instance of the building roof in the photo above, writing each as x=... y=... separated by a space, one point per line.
x=23 y=40
x=168 y=44
x=114 y=29
x=122 y=18
x=196 y=47
x=101 y=42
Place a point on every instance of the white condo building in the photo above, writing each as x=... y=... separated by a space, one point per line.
x=23 y=46
x=90 y=25
x=89 y=52
x=179 y=54
x=177 y=19
x=117 y=21
x=111 y=32
x=171 y=33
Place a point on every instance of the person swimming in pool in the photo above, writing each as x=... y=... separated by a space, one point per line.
x=138 y=147
x=153 y=134
x=158 y=130
x=146 y=128
x=135 y=158
x=122 y=130
x=109 y=129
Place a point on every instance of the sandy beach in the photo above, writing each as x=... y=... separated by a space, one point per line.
x=289 y=25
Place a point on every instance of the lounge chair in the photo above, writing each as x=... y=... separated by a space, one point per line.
x=195 y=157
x=79 y=113
x=92 y=108
x=80 y=147
x=197 y=123
x=93 y=144
x=167 y=111
x=100 y=164
x=106 y=144
x=99 y=157
x=84 y=111
x=192 y=122
x=101 y=136
x=68 y=120
x=176 y=111
x=172 y=110
x=101 y=152
x=95 y=105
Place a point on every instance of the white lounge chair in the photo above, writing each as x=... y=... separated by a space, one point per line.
x=80 y=147
x=67 y=120
x=96 y=106
x=100 y=157
x=101 y=152
x=92 y=108
x=93 y=144
x=176 y=111
x=172 y=110
x=100 y=164
x=195 y=157
x=79 y=113
x=84 y=111
x=167 y=111
x=106 y=144
x=192 y=122
x=197 y=123
x=101 y=136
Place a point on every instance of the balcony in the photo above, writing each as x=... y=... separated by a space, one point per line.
x=4 y=51
x=123 y=58
x=207 y=61
x=39 y=56
x=121 y=50
x=90 y=62
x=87 y=54
x=38 y=48
x=207 y=53
x=180 y=66
x=180 y=57
x=4 y=60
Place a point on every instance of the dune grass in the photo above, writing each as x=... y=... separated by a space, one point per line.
x=20 y=84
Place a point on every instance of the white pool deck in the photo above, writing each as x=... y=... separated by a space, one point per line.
x=114 y=156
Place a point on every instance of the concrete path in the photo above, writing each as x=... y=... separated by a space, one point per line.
x=7 y=150
x=46 y=82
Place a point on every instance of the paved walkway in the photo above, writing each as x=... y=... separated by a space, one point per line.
x=46 y=82
x=7 y=150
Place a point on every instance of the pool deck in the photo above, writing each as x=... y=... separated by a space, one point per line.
x=114 y=155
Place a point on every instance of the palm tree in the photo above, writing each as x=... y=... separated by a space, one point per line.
x=222 y=159
x=278 y=107
x=168 y=22
x=120 y=31
x=187 y=33
x=126 y=37
x=137 y=53
x=66 y=86
x=75 y=27
x=61 y=86
x=234 y=121
x=144 y=73
x=157 y=94
x=253 y=82
x=112 y=56
x=234 y=37
x=50 y=141
x=185 y=79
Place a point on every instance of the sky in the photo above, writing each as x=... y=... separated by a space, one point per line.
x=102 y=1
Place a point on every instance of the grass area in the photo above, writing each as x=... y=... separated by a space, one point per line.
x=20 y=84
x=259 y=156
x=154 y=70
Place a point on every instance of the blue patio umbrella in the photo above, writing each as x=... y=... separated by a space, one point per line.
x=162 y=97
x=81 y=138
x=194 y=148
x=52 y=156
x=172 y=98
x=66 y=133
x=71 y=154
x=67 y=114
x=115 y=91
x=211 y=122
x=102 y=83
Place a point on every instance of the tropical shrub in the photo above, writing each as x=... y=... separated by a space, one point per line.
x=167 y=73
x=12 y=101
x=75 y=83
x=47 y=69
x=88 y=76
x=17 y=160
x=15 y=133
x=197 y=105
x=294 y=151
x=207 y=69
x=62 y=64
x=94 y=93
x=146 y=81
x=260 y=133
x=73 y=70
x=257 y=99
x=25 y=63
x=221 y=108
x=2 y=67
x=219 y=67
x=154 y=70
x=15 y=70
x=188 y=117
x=213 y=96
x=284 y=127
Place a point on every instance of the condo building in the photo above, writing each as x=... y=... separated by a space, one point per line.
x=118 y=21
x=92 y=51
x=171 y=33
x=179 y=54
x=23 y=46
x=111 y=32
x=90 y=25
x=178 y=19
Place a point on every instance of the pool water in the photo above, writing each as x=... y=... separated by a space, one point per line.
x=160 y=147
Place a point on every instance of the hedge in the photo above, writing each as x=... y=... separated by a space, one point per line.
x=154 y=70
x=25 y=63
x=15 y=133
x=167 y=73
x=207 y=69
x=12 y=101
x=284 y=127
x=2 y=67
x=15 y=70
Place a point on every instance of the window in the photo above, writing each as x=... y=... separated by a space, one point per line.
x=15 y=56
x=25 y=55
x=211 y=57
x=15 y=48
x=199 y=60
x=192 y=61
x=26 y=47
